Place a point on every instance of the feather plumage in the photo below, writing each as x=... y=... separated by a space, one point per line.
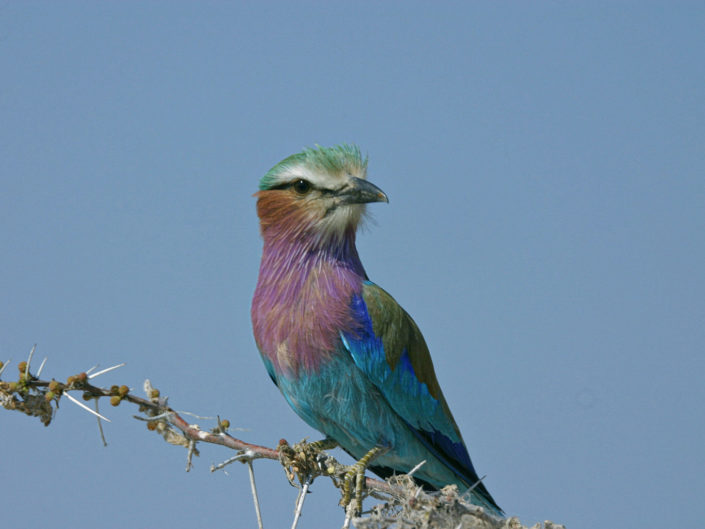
x=348 y=359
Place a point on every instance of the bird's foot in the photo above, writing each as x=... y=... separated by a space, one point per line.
x=357 y=471
x=305 y=461
x=323 y=444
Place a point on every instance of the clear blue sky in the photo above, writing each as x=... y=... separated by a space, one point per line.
x=545 y=164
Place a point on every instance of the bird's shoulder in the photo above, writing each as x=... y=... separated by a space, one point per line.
x=392 y=338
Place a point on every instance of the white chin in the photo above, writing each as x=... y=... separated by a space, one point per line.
x=337 y=222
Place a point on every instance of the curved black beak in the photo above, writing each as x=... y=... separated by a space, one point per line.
x=359 y=191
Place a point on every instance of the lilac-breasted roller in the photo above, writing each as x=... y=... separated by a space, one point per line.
x=348 y=359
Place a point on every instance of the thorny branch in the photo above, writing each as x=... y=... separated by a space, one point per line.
x=405 y=504
x=40 y=398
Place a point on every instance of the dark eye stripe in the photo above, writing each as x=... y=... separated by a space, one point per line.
x=299 y=185
x=285 y=185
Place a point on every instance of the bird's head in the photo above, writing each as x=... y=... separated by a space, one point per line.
x=318 y=195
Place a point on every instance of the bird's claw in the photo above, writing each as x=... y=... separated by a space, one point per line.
x=357 y=471
x=305 y=461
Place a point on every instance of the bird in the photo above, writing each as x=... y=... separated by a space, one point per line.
x=346 y=356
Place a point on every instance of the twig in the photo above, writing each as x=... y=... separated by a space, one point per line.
x=189 y=454
x=405 y=505
x=156 y=410
x=348 y=515
x=255 y=498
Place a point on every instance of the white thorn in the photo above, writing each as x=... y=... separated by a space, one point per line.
x=88 y=371
x=166 y=416
x=41 y=367
x=106 y=370
x=183 y=412
x=100 y=425
x=29 y=360
x=78 y=403
x=247 y=455
x=413 y=470
x=4 y=366
x=475 y=484
x=255 y=498
x=224 y=463
x=300 y=502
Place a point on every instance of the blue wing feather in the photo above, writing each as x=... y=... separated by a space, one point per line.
x=388 y=347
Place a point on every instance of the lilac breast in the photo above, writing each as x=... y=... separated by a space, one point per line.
x=302 y=303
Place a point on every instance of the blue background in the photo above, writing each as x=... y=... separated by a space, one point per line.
x=545 y=164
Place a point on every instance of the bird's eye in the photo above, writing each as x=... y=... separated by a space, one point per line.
x=302 y=186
